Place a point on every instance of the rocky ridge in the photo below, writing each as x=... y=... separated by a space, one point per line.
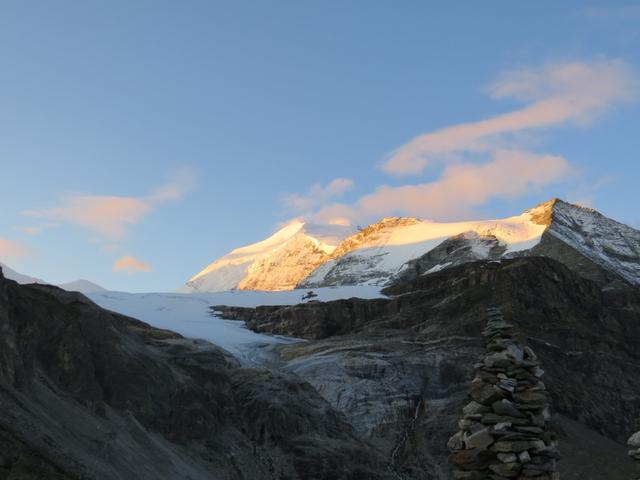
x=505 y=431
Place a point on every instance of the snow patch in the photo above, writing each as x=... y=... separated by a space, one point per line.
x=189 y=314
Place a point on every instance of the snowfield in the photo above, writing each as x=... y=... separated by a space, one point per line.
x=189 y=314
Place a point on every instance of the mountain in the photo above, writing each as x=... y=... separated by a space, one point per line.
x=278 y=263
x=82 y=286
x=18 y=277
x=374 y=391
x=403 y=248
x=385 y=249
x=86 y=393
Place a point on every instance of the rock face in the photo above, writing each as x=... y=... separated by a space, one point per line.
x=505 y=430
x=399 y=368
x=464 y=248
x=89 y=394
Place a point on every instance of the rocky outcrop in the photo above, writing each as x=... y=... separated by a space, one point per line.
x=505 y=430
x=398 y=368
x=634 y=447
x=464 y=248
x=89 y=394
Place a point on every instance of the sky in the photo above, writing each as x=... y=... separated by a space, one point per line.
x=139 y=141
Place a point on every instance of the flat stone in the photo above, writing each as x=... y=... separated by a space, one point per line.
x=529 y=354
x=509 y=470
x=456 y=442
x=530 y=397
x=507 y=457
x=524 y=457
x=466 y=458
x=481 y=439
x=486 y=394
x=500 y=359
x=502 y=426
x=507 y=384
x=492 y=418
x=634 y=440
x=516 y=352
x=506 y=408
x=517 y=446
x=474 y=407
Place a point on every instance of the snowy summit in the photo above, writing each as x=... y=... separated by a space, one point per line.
x=312 y=256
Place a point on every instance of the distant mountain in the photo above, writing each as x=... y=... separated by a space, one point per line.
x=595 y=246
x=82 y=286
x=278 y=263
x=21 y=278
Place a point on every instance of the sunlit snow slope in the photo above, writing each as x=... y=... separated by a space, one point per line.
x=190 y=316
x=394 y=247
x=278 y=263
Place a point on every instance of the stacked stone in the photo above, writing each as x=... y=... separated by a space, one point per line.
x=505 y=431
x=634 y=447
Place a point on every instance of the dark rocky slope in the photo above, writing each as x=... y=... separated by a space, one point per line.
x=89 y=394
x=399 y=368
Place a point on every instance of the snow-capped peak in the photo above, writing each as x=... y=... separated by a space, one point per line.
x=380 y=251
x=11 y=274
x=277 y=263
x=82 y=286
x=312 y=256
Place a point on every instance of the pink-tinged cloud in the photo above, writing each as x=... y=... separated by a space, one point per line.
x=35 y=229
x=461 y=187
x=111 y=217
x=555 y=95
x=510 y=174
x=130 y=265
x=318 y=195
x=106 y=216
x=10 y=249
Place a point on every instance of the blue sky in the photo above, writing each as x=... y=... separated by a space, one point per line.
x=160 y=135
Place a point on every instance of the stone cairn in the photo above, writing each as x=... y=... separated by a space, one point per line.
x=634 y=448
x=505 y=431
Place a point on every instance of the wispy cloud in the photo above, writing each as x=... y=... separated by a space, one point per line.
x=554 y=95
x=130 y=265
x=11 y=250
x=110 y=217
x=35 y=229
x=318 y=195
x=487 y=159
x=460 y=187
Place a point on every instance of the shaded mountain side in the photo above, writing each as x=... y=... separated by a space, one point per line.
x=399 y=368
x=459 y=249
x=87 y=393
x=552 y=247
